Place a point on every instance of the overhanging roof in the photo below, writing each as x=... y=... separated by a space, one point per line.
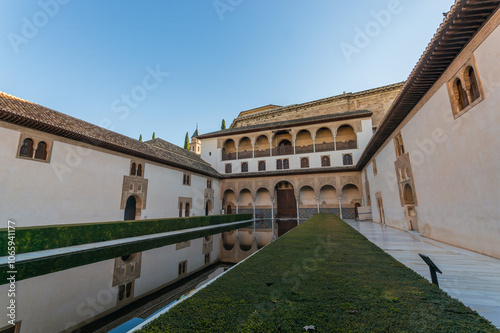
x=464 y=20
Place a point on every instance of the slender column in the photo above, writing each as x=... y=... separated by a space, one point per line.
x=271 y=148
x=294 y=148
x=237 y=157
x=253 y=151
x=253 y=203
x=314 y=144
x=298 y=213
x=340 y=206
x=272 y=219
x=335 y=143
x=237 y=202
x=317 y=200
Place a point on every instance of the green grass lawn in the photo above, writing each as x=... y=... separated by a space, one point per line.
x=325 y=274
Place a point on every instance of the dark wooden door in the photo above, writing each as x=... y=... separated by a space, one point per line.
x=287 y=206
x=287 y=209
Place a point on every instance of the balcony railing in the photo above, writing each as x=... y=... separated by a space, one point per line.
x=263 y=153
x=353 y=144
x=245 y=154
x=228 y=156
x=286 y=150
x=326 y=146
x=304 y=149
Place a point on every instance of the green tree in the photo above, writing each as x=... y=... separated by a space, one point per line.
x=186 y=141
x=223 y=126
x=140 y=137
x=154 y=136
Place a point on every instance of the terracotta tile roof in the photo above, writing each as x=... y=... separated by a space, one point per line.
x=288 y=123
x=24 y=113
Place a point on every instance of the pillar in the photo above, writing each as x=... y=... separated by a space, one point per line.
x=237 y=206
x=314 y=144
x=298 y=213
x=272 y=218
x=237 y=157
x=335 y=143
x=253 y=203
x=340 y=206
x=253 y=151
x=317 y=200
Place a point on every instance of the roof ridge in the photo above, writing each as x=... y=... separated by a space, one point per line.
x=190 y=154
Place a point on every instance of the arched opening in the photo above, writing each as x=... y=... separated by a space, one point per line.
x=307 y=201
x=130 y=209
x=282 y=143
x=262 y=147
x=263 y=203
x=279 y=164
x=350 y=196
x=26 y=148
x=473 y=84
x=460 y=95
x=229 y=150
x=346 y=138
x=324 y=140
x=287 y=207
x=133 y=170
x=304 y=162
x=229 y=201
x=347 y=159
x=208 y=208
x=187 y=210
x=180 y=209
x=229 y=168
x=245 y=201
x=328 y=198
x=139 y=170
x=408 y=195
x=380 y=207
x=245 y=149
x=41 y=151
x=304 y=142
x=244 y=167
x=356 y=213
x=262 y=165
x=325 y=161
x=286 y=164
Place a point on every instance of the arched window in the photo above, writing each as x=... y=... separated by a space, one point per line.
x=279 y=164
x=180 y=209
x=41 y=151
x=347 y=159
x=229 y=168
x=139 y=170
x=325 y=161
x=262 y=166
x=187 y=210
x=27 y=148
x=304 y=162
x=474 y=86
x=461 y=95
x=133 y=170
x=286 y=164
x=244 y=167
x=408 y=195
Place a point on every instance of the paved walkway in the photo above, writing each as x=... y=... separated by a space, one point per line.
x=472 y=278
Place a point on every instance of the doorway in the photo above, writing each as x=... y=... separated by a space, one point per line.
x=130 y=209
x=287 y=207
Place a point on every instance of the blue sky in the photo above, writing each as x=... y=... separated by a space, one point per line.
x=163 y=65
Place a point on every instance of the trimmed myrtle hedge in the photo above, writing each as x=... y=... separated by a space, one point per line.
x=323 y=274
x=32 y=239
x=47 y=265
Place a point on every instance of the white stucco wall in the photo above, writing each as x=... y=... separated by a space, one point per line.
x=455 y=164
x=82 y=185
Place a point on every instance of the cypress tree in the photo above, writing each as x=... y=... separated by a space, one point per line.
x=154 y=136
x=140 y=137
x=186 y=141
x=223 y=126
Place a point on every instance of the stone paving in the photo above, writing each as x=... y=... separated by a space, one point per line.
x=472 y=278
